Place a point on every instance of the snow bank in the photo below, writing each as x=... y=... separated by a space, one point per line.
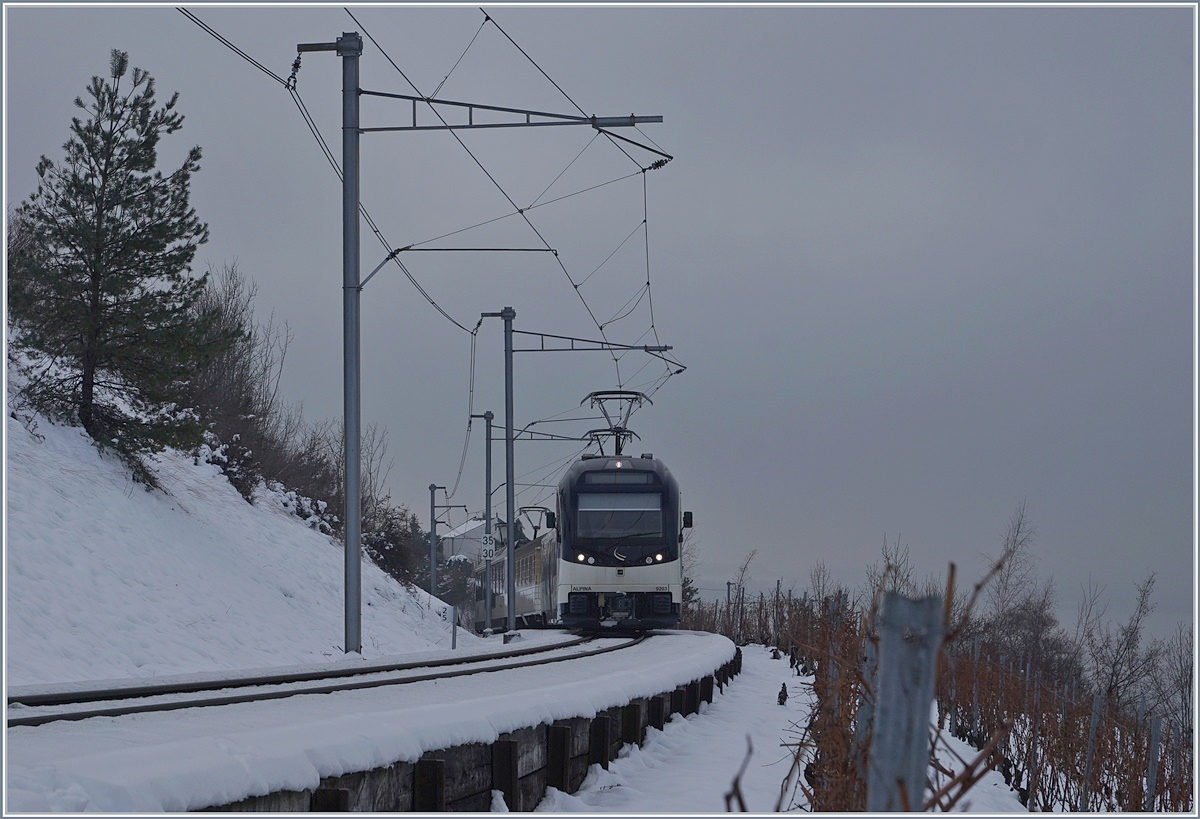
x=105 y=579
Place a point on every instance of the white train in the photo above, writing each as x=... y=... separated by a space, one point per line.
x=610 y=557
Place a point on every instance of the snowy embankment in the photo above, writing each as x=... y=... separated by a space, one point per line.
x=107 y=580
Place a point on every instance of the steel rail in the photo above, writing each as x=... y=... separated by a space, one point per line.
x=262 y=696
x=160 y=689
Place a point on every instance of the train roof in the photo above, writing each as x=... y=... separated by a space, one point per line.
x=604 y=463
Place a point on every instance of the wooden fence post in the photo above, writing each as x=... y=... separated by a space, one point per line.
x=910 y=634
x=600 y=741
x=429 y=785
x=658 y=710
x=558 y=757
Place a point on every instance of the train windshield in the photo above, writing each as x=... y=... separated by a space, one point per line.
x=624 y=515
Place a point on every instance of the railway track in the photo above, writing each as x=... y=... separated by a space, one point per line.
x=47 y=707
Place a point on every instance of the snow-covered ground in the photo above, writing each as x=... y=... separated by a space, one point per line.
x=105 y=580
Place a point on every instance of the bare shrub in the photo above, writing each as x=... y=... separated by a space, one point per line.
x=1067 y=719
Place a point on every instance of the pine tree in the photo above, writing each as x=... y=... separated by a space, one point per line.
x=106 y=292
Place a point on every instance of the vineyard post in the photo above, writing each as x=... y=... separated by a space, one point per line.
x=865 y=715
x=975 y=726
x=834 y=623
x=910 y=635
x=1028 y=674
x=1085 y=796
x=1152 y=772
x=1177 y=769
x=787 y=615
x=1031 y=800
x=954 y=717
x=1000 y=709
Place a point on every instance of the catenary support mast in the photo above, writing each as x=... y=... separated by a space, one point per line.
x=349 y=47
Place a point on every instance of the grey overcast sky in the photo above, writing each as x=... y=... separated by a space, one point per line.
x=922 y=264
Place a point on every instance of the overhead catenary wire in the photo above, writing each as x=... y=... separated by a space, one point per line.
x=502 y=217
x=570 y=165
x=491 y=177
x=290 y=85
x=462 y=461
x=549 y=477
x=459 y=60
x=489 y=19
x=646 y=222
x=314 y=129
x=316 y=132
x=228 y=44
x=644 y=292
x=645 y=196
x=614 y=252
x=554 y=466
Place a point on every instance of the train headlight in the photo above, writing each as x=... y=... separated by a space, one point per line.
x=649 y=560
x=581 y=557
x=591 y=560
x=658 y=557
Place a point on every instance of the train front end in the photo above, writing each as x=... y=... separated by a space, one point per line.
x=619 y=533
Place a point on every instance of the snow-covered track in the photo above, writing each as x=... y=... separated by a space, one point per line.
x=46 y=707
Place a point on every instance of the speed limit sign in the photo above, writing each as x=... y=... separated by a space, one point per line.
x=487 y=547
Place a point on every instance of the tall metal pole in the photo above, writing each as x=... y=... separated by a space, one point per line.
x=508 y=314
x=487 y=505
x=350 y=48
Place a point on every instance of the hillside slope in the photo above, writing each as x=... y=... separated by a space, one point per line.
x=104 y=579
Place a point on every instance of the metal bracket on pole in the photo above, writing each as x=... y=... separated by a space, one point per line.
x=433 y=540
x=567 y=344
x=508 y=314
x=524 y=117
x=487 y=525
x=433 y=507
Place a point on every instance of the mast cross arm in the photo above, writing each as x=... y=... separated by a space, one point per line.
x=516 y=117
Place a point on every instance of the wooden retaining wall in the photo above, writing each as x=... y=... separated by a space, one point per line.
x=521 y=764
